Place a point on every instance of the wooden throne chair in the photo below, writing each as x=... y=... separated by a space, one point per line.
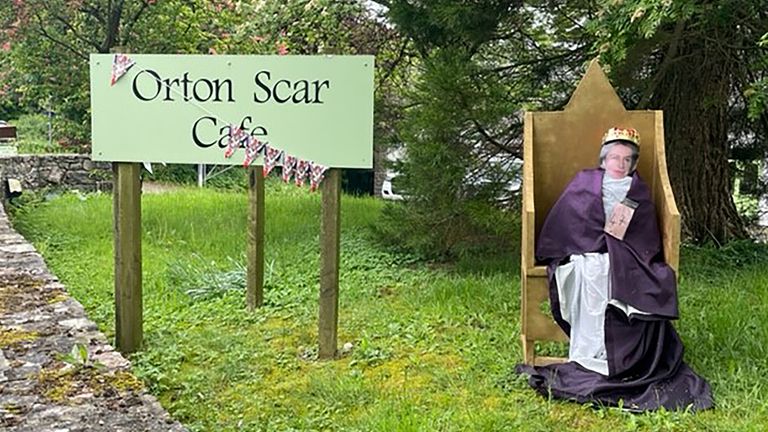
x=557 y=145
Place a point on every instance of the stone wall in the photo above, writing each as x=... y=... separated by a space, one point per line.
x=70 y=171
x=39 y=323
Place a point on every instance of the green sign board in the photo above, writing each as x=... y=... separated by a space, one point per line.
x=179 y=108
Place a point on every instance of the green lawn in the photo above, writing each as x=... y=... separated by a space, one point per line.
x=434 y=346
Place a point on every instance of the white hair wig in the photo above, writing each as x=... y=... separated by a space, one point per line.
x=608 y=146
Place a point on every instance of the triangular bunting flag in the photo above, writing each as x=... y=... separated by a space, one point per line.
x=289 y=165
x=316 y=174
x=252 y=150
x=259 y=146
x=271 y=158
x=301 y=172
x=120 y=65
x=236 y=138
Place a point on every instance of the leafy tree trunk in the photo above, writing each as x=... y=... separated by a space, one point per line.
x=694 y=94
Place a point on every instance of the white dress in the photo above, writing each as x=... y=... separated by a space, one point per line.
x=584 y=287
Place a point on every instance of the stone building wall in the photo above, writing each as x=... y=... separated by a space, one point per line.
x=70 y=171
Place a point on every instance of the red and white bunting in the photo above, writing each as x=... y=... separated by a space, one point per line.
x=316 y=174
x=120 y=65
x=293 y=166
x=271 y=157
x=301 y=172
x=236 y=138
x=252 y=148
x=289 y=166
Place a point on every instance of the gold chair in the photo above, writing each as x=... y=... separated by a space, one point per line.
x=557 y=145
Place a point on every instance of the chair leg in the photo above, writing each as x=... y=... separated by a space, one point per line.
x=528 y=353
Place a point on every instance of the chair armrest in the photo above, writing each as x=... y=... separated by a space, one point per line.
x=669 y=216
x=670 y=230
x=529 y=213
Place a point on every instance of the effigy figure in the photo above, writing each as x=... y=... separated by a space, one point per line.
x=612 y=293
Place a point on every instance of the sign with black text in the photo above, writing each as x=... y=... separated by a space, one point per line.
x=179 y=108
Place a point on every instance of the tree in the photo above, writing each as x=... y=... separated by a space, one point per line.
x=704 y=65
x=45 y=44
x=480 y=65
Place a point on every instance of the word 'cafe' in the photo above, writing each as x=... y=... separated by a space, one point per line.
x=205 y=134
x=149 y=86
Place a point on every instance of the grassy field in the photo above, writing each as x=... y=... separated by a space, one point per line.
x=433 y=346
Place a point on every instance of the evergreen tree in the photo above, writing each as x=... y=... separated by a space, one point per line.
x=484 y=63
x=480 y=65
x=704 y=65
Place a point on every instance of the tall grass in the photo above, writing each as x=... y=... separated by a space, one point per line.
x=432 y=346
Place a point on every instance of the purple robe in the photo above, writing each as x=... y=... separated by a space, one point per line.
x=645 y=355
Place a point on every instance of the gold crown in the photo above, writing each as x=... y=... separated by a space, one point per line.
x=622 y=134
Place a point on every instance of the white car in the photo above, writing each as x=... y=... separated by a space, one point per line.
x=387 y=192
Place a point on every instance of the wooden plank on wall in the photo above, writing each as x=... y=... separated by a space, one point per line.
x=329 y=264
x=127 y=240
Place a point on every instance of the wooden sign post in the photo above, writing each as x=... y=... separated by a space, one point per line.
x=330 y=231
x=255 y=284
x=127 y=238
